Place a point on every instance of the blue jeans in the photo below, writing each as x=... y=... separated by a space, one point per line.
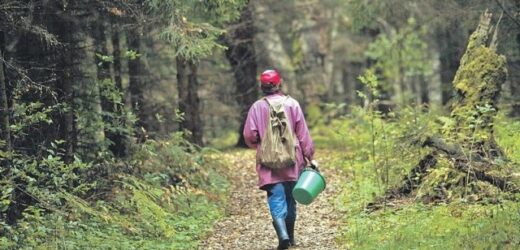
x=280 y=200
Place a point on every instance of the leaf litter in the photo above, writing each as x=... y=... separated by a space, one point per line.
x=247 y=224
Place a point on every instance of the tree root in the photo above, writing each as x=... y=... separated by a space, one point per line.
x=413 y=180
x=475 y=165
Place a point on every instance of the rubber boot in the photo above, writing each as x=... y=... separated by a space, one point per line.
x=281 y=232
x=290 y=231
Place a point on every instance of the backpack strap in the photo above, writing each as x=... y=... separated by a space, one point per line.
x=268 y=103
x=275 y=111
x=286 y=97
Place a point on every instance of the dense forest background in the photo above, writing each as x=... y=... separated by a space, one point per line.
x=98 y=97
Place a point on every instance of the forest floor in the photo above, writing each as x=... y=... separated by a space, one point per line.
x=247 y=224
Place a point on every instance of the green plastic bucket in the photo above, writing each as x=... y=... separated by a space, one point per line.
x=310 y=184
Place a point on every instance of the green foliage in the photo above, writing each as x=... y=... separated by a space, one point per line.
x=28 y=115
x=168 y=200
x=322 y=114
x=131 y=54
x=378 y=152
x=175 y=156
x=406 y=48
x=139 y=218
x=366 y=13
x=369 y=79
x=46 y=176
x=193 y=27
x=401 y=54
x=104 y=59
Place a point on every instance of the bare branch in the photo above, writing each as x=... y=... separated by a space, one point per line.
x=504 y=10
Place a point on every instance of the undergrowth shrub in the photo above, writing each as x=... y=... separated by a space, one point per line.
x=378 y=151
x=166 y=197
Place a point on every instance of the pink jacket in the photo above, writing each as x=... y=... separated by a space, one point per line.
x=254 y=129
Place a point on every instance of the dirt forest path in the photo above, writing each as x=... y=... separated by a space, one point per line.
x=248 y=223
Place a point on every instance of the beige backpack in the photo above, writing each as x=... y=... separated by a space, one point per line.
x=277 y=149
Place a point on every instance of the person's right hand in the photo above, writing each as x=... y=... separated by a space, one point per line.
x=314 y=164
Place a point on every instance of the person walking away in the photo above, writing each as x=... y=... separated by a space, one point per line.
x=278 y=181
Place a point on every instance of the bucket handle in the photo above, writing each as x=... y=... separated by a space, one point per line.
x=313 y=164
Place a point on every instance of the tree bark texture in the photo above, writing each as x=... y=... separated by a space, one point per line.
x=515 y=80
x=108 y=83
x=424 y=91
x=87 y=98
x=350 y=72
x=116 y=53
x=65 y=28
x=137 y=83
x=119 y=146
x=189 y=102
x=451 y=50
x=82 y=123
x=241 y=55
x=103 y=66
x=4 y=107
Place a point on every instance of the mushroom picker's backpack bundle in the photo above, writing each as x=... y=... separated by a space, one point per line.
x=278 y=146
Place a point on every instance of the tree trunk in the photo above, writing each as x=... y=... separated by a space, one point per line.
x=451 y=49
x=478 y=88
x=119 y=146
x=310 y=55
x=83 y=122
x=103 y=66
x=87 y=96
x=65 y=86
x=116 y=47
x=403 y=91
x=328 y=34
x=110 y=83
x=137 y=83
x=424 y=91
x=68 y=124
x=4 y=107
x=189 y=103
x=514 y=76
x=241 y=55
x=351 y=86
